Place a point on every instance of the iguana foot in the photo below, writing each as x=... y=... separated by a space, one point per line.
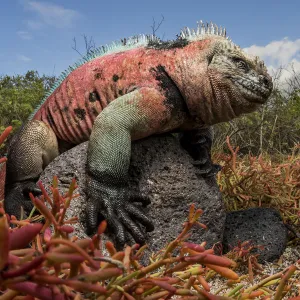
x=17 y=196
x=199 y=147
x=205 y=166
x=116 y=205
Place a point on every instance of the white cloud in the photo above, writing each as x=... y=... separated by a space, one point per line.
x=279 y=54
x=35 y=25
x=23 y=58
x=51 y=14
x=25 y=35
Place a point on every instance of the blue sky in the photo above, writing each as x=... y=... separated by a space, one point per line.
x=39 y=35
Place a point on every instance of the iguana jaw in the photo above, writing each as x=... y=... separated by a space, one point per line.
x=222 y=98
x=251 y=89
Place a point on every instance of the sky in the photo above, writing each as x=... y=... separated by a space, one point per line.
x=38 y=35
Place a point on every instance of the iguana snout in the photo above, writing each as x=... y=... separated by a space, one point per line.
x=254 y=87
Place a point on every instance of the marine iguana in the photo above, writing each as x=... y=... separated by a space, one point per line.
x=127 y=91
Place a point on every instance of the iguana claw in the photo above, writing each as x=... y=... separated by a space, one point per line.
x=122 y=215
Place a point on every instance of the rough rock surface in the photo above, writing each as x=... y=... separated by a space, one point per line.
x=162 y=170
x=261 y=226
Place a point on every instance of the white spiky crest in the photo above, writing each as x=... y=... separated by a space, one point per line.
x=205 y=30
x=202 y=31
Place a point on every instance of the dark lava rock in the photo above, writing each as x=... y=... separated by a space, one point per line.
x=163 y=171
x=261 y=226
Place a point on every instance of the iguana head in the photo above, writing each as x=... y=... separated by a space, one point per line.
x=240 y=79
x=225 y=81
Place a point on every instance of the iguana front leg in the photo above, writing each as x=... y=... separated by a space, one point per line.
x=198 y=143
x=136 y=115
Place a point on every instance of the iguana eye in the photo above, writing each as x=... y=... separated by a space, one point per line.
x=241 y=64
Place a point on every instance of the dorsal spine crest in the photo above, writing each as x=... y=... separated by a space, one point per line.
x=203 y=31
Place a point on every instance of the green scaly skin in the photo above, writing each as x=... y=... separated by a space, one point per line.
x=111 y=100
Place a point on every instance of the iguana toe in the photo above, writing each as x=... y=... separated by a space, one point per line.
x=138 y=197
x=209 y=170
x=132 y=227
x=200 y=162
x=91 y=218
x=33 y=190
x=93 y=213
x=136 y=214
x=115 y=204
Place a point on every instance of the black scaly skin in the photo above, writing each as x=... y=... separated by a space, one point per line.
x=198 y=143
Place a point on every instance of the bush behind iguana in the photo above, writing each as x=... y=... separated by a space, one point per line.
x=135 y=88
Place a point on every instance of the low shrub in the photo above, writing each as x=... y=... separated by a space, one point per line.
x=250 y=181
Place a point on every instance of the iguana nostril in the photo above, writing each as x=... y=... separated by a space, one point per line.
x=267 y=82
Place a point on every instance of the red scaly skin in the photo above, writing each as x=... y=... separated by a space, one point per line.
x=71 y=110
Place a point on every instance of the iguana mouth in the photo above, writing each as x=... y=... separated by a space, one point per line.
x=252 y=91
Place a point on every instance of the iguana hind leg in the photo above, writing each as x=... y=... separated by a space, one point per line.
x=30 y=151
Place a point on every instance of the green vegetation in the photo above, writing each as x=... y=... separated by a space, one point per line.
x=19 y=95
